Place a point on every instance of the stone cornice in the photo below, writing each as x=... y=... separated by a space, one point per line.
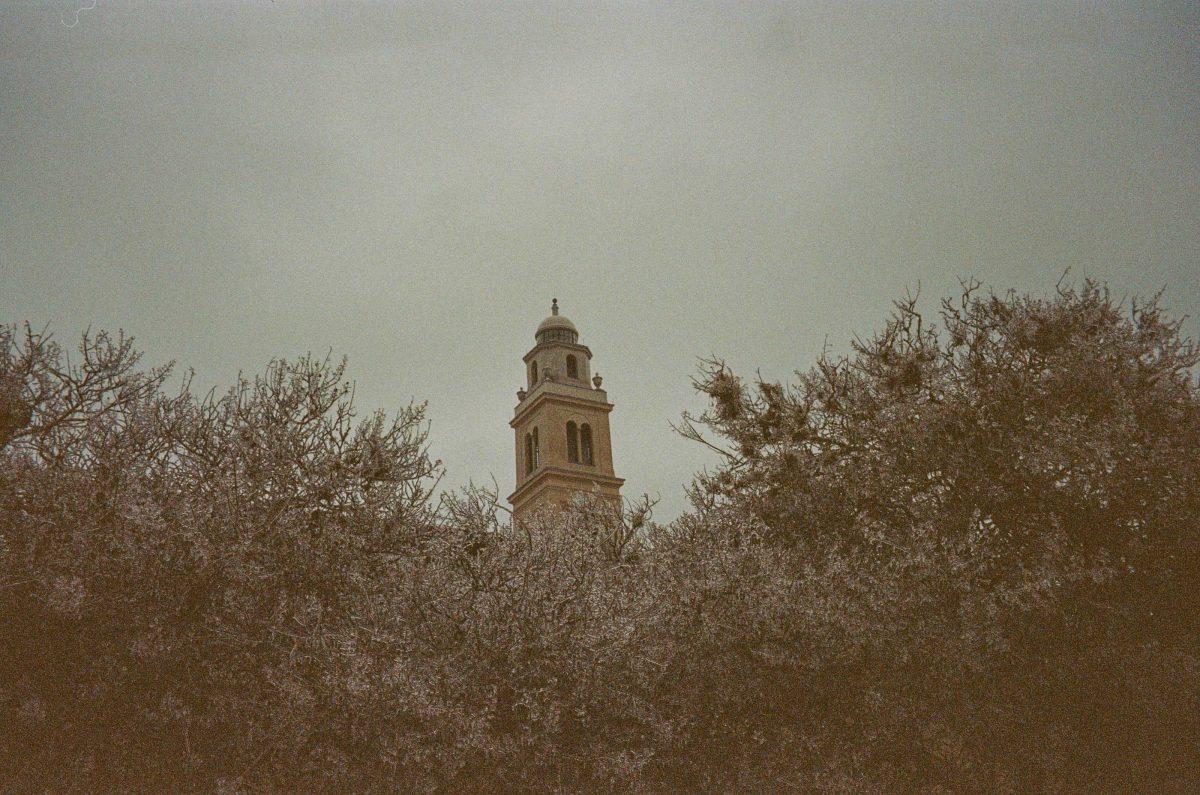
x=546 y=473
x=575 y=346
x=557 y=344
x=548 y=391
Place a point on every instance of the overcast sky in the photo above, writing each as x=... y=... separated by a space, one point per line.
x=410 y=185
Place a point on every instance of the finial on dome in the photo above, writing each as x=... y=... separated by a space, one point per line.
x=554 y=306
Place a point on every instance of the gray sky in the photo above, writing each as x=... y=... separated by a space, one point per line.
x=410 y=185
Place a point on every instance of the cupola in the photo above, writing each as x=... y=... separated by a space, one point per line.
x=556 y=328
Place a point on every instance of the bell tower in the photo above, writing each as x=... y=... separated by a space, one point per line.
x=563 y=444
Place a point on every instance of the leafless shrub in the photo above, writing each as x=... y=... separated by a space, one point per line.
x=961 y=558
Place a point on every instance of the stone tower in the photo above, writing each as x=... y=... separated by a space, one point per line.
x=561 y=423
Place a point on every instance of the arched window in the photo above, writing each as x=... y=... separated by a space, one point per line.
x=536 y=453
x=585 y=443
x=528 y=453
x=572 y=443
x=572 y=367
x=532 y=374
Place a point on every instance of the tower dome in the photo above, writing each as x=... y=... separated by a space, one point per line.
x=556 y=328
